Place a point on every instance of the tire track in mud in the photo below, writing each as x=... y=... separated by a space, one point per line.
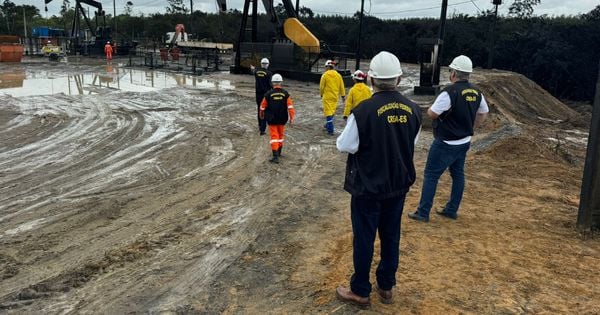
x=159 y=202
x=77 y=159
x=190 y=210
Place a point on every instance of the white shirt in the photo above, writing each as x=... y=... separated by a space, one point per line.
x=442 y=103
x=348 y=141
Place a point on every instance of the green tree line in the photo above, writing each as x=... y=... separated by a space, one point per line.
x=559 y=53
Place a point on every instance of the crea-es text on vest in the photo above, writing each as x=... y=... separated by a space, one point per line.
x=470 y=95
x=277 y=96
x=395 y=119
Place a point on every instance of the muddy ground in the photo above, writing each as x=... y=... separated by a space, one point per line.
x=132 y=191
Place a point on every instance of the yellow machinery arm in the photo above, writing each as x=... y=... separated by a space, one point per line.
x=301 y=36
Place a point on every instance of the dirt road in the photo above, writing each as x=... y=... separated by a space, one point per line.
x=128 y=191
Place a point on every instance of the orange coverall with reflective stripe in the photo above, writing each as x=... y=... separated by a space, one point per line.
x=108 y=50
x=276 y=131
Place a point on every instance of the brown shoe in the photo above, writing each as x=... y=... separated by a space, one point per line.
x=385 y=296
x=346 y=295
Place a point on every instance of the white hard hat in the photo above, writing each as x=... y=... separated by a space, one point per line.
x=385 y=66
x=329 y=63
x=264 y=61
x=359 y=75
x=277 y=78
x=462 y=63
x=108 y=42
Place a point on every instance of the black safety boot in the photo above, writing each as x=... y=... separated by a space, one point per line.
x=279 y=151
x=275 y=158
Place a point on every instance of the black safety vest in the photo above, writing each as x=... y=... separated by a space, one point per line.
x=457 y=122
x=383 y=165
x=276 y=112
x=263 y=80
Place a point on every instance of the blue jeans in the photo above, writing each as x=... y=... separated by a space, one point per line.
x=368 y=217
x=443 y=156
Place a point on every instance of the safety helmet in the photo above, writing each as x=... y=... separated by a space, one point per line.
x=108 y=42
x=385 y=66
x=359 y=75
x=329 y=63
x=264 y=61
x=462 y=63
x=277 y=78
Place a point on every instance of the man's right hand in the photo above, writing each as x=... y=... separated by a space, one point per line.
x=252 y=68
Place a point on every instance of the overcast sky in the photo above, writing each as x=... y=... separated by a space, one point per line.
x=380 y=8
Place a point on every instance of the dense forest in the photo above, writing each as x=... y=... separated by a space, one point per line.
x=562 y=54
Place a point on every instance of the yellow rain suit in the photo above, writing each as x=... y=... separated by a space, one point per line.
x=358 y=93
x=332 y=86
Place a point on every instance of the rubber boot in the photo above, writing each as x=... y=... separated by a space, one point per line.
x=279 y=151
x=275 y=158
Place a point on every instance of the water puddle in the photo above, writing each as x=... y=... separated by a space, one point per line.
x=18 y=83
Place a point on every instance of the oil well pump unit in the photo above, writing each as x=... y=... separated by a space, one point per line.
x=293 y=51
x=91 y=40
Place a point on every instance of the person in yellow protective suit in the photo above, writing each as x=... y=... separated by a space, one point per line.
x=358 y=93
x=332 y=87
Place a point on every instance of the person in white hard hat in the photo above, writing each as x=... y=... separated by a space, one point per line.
x=276 y=109
x=380 y=137
x=262 y=79
x=456 y=112
x=331 y=88
x=358 y=93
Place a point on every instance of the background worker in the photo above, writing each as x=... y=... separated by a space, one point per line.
x=276 y=108
x=262 y=78
x=380 y=136
x=331 y=88
x=457 y=110
x=358 y=93
x=108 y=50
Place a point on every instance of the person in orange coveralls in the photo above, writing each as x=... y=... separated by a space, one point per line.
x=276 y=108
x=108 y=50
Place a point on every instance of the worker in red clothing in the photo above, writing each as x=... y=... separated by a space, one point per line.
x=276 y=108
x=108 y=50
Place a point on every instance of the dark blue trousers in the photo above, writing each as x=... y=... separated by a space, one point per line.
x=368 y=217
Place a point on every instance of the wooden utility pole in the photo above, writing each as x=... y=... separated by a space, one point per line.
x=191 y=7
x=114 y=19
x=589 y=202
x=442 y=34
x=298 y=7
x=362 y=12
x=493 y=35
x=24 y=24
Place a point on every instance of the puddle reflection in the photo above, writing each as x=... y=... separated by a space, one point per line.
x=110 y=78
x=12 y=79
